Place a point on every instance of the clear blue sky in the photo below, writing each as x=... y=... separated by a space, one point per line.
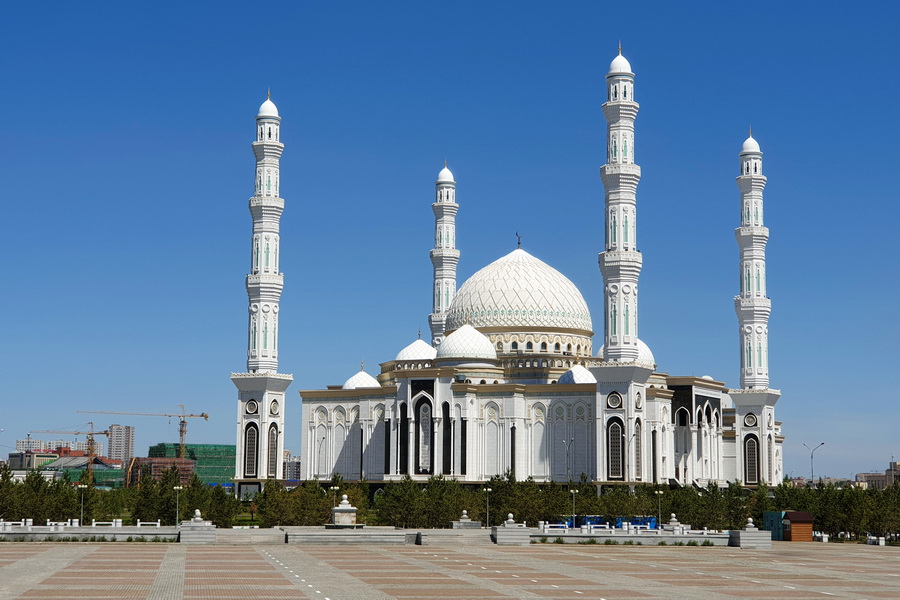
x=126 y=169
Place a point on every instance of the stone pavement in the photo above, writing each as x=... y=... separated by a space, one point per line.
x=230 y=572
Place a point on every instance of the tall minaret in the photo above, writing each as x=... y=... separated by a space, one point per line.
x=260 y=422
x=445 y=256
x=621 y=262
x=752 y=305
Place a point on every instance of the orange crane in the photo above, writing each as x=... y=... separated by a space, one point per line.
x=90 y=438
x=182 y=420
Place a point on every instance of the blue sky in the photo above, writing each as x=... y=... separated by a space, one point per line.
x=126 y=170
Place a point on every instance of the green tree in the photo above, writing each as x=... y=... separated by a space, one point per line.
x=274 y=505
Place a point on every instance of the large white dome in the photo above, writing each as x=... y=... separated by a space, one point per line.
x=467 y=342
x=519 y=291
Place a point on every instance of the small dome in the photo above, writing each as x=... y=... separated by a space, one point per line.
x=418 y=350
x=708 y=378
x=620 y=66
x=644 y=352
x=577 y=374
x=445 y=176
x=750 y=145
x=361 y=380
x=467 y=342
x=267 y=109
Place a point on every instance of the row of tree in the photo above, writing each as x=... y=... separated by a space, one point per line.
x=62 y=499
x=439 y=501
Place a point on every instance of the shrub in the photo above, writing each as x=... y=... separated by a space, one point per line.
x=543 y=540
x=707 y=543
x=611 y=542
x=662 y=543
x=559 y=540
x=693 y=543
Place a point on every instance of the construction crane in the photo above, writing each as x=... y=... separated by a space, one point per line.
x=90 y=439
x=182 y=420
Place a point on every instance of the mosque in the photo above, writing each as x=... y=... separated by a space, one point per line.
x=510 y=380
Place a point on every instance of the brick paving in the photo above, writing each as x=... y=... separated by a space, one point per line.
x=453 y=572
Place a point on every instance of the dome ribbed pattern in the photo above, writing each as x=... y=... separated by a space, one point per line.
x=519 y=291
x=467 y=342
x=577 y=374
x=418 y=350
x=361 y=380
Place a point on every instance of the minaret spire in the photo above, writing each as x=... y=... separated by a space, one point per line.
x=621 y=262
x=260 y=411
x=444 y=256
x=753 y=305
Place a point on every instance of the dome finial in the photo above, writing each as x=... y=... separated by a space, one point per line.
x=362 y=365
x=269 y=92
x=519 y=240
x=751 y=131
x=620 y=47
x=420 y=333
x=445 y=163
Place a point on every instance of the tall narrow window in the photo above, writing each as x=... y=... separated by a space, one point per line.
x=627 y=320
x=613 y=317
x=756 y=214
x=273 y=451
x=267 y=255
x=612 y=229
x=256 y=256
x=759 y=360
x=747 y=287
x=638 y=471
x=268 y=183
x=615 y=153
x=757 y=280
x=749 y=356
x=250 y=451
x=266 y=334
x=751 y=460
x=614 y=445
x=625 y=228
x=625 y=148
x=254 y=335
x=747 y=220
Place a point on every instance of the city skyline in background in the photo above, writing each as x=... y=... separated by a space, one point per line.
x=131 y=168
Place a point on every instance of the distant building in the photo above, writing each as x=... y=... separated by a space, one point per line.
x=879 y=481
x=291 y=466
x=30 y=459
x=214 y=463
x=121 y=443
x=35 y=444
x=155 y=467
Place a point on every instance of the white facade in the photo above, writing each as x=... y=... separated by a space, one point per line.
x=511 y=380
x=260 y=406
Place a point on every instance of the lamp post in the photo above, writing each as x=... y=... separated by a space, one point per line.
x=812 y=452
x=177 y=489
x=659 y=494
x=82 y=487
x=334 y=490
x=573 y=492
x=487 y=506
x=568 y=446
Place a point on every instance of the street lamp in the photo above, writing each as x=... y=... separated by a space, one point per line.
x=334 y=490
x=573 y=492
x=177 y=489
x=568 y=446
x=659 y=494
x=487 y=506
x=812 y=451
x=82 y=487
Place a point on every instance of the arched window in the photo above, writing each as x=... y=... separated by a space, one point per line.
x=529 y=347
x=556 y=347
x=514 y=346
x=543 y=346
x=751 y=460
x=499 y=346
x=251 y=450
x=273 y=451
x=615 y=456
x=615 y=92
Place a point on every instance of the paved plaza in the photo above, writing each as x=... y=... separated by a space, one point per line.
x=224 y=572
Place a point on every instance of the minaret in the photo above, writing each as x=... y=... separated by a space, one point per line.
x=758 y=456
x=444 y=256
x=752 y=305
x=621 y=262
x=260 y=423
